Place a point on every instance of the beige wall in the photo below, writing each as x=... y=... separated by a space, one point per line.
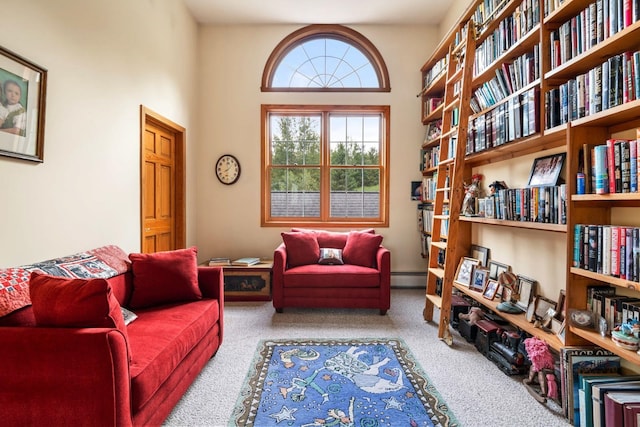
x=105 y=58
x=232 y=59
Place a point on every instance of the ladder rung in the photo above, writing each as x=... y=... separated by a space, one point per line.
x=447 y=162
x=455 y=76
x=443 y=189
x=442 y=217
x=439 y=245
x=437 y=271
x=435 y=300
x=451 y=105
x=454 y=129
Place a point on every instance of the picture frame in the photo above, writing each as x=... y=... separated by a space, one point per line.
x=482 y=207
x=526 y=288
x=560 y=306
x=530 y=313
x=416 y=190
x=465 y=268
x=23 y=96
x=546 y=170
x=542 y=306
x=491 y=289
x=481 y=254
x=479 y=277
x=496 y=269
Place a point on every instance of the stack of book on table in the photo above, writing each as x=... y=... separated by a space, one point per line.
x=219 y=261
x=246 y=261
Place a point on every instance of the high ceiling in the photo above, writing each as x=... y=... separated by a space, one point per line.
x=318 y=12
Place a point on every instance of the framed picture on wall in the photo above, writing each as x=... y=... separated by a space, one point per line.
x=23 y=95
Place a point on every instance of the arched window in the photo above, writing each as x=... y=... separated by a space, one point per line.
x=325 y=58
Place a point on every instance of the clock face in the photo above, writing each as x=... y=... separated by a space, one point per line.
x=227 y=169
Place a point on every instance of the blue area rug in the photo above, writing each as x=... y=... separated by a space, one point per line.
x=338 y=383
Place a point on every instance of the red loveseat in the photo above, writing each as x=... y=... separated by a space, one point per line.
x=358 y=275
x=109 y=376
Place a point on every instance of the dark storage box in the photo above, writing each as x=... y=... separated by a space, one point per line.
x=467 y=330
x=487 y=333
x=459 y=306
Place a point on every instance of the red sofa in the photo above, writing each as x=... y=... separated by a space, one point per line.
x=99 y=376
x=304 y=278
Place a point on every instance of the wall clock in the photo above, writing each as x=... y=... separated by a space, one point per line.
x=228 y=169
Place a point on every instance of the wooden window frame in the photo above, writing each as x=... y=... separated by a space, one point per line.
x=325 y=219
x=338 y=32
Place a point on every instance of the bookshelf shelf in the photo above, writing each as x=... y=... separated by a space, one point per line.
x=558 y=228
x=599 y=340
x=615 y=281
x=515 y=319
x=434 y=115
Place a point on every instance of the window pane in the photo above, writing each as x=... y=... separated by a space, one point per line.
x=355 y=140
x=295 y=140
x=325 y=63
x=355 y=193
x=295 y=192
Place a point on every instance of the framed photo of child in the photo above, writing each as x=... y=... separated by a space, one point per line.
x=23 y=87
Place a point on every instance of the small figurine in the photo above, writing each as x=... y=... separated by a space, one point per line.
x=541 y=370
x=472 y=191
x=496 y=186
x=475 y=314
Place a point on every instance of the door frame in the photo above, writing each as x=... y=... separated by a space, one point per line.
x=149 y=116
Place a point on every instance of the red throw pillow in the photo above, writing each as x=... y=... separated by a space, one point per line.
x=164 y=277
x=302 y=248
x=361 y=249
x=74 y=303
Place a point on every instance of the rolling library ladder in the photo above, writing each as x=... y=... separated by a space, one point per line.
x=450 y=180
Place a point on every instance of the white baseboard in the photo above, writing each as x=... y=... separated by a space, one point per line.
x=408 y=279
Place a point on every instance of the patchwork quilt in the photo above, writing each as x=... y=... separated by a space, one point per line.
x=103 y=262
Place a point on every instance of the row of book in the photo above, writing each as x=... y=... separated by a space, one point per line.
x=431 y=104
x=615 y=309
x=614 y=82
x=610 y=250
x=510 y=30
x=436 y=71
x=515 y=118
x=242 y=262
x=428 y=189
x=533 y=204
x=594 y=24
x=614 y=167
x=510 y=78
x=429 y=157
x=527 y=12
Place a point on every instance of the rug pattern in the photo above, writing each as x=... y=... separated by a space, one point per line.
x=338 y=383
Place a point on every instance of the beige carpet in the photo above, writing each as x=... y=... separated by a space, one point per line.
x=477 y=392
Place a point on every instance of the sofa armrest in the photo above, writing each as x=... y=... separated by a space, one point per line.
x=383 y=257
x=64 y=376
x=277 y=281
x=211 y=282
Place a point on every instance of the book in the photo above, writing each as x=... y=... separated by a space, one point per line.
x=632 y=414
x=614 y=406
x=598 y=396
x=246 y=261
x=219 y=261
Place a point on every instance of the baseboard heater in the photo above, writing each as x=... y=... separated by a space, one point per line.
x=408 y=279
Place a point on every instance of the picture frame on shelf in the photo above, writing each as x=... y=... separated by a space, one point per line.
x=416 y=190
x=465 y=268
x=491 y=289
x=496 y=269
x=561 y=309
x=482 y=207
x=542 y=306
x=530 y=313
x=546 y=170
x=481 y=254
x=479 y=277
x=526 y=288
x=22 y=132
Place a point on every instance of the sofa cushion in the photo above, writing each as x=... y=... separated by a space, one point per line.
x=361 y=249
x=74 y=303
x=330 y=256
x=331 y=239
x=331 y=276
x=164 y=277
x=160 y=338
x=302 y=248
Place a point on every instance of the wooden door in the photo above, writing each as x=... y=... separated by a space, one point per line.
x=162 y=184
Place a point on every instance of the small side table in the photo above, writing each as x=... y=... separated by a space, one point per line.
x=251 y=283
